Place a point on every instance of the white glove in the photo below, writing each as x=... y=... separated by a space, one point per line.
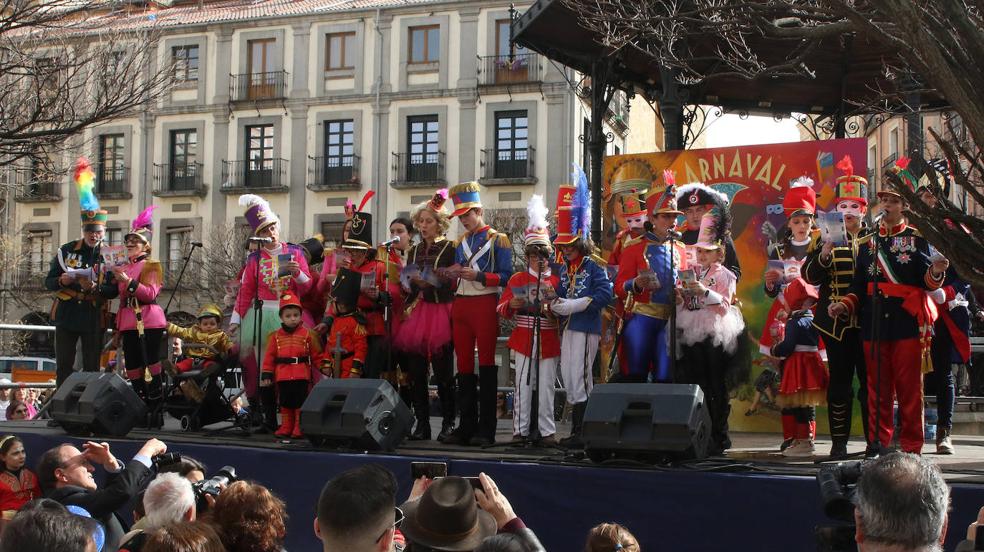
x=938 y=296
x=567 y=307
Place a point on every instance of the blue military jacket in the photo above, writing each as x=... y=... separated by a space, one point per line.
x=587 y=279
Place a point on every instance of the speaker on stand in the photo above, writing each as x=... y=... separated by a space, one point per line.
x=361 y=414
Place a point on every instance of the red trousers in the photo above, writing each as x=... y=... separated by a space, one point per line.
x=474 y=320
x=901 y=379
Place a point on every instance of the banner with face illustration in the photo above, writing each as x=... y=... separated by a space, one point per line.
x=755 y=179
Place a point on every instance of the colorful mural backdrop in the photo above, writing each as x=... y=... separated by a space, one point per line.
x=754 y=178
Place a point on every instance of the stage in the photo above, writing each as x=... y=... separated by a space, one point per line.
x=751 y=500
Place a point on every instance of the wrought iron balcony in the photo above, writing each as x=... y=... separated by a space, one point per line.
x=500 y=70
x=248 y=87
x=265 y=174
x=418 y=170
x=890 y=161
x=32 y=187
x=178 y=180
x=112 y=180
x=333 y=173
x=508 y=166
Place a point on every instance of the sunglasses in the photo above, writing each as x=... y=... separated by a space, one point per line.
x=20 y=411
x=398 y=519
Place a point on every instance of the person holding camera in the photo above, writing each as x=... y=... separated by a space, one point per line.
x=65 y=474
x=169 y=498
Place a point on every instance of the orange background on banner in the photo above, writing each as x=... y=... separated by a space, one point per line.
x=754 y=178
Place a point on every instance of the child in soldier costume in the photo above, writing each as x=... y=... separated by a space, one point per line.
x=207 y=331
x=346 y=348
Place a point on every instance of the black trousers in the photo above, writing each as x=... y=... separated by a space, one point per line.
x=845 y=358
x=65 y=347
x=133 y=355
x=940 y=381
x=375 y=356
x=704 y=364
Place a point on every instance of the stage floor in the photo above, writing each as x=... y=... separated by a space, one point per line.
x=667 y=506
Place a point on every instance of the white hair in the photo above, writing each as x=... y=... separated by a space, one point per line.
x=166 y=500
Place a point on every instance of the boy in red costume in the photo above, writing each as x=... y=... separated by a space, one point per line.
x=345 y=352
x=291 y=352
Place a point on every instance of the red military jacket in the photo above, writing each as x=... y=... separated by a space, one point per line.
x=521 y=338
x=348 y=332
x=285 y=352
x=375 y=323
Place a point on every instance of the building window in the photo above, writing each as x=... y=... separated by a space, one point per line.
x=259 y=155
x=340 y=52
x=332 y=231
x=185 y=59
x=339 y=150
x=261 y=82
x=183 y=159
x=511 y=144
x=423 y=142
x=112 y=166
x=114 y=236
x=502 y=40
x=425 y=44
x=177 y=241
x=39 y=251
x=893 y=143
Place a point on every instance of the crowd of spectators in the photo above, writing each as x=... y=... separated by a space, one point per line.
x=902 y=505
x=21 y=403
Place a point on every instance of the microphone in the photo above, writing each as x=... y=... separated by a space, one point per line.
x=674 y=235
x=878 y=217
x=389 y=242
x=256 y=239
x=196 y=244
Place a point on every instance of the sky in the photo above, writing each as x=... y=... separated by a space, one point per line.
x=731 y=130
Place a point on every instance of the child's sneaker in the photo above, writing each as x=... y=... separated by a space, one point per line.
x=801 y=448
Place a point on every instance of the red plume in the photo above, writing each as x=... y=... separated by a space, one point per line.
x=365 y=199
x=669 y=177
x=846 y=165
x=902 y=163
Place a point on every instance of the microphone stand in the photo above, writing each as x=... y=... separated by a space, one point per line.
x=388 y=320
x=671 y=235
x=184 y=266
x=876 y=307
x=535 y=364
x=257 y=322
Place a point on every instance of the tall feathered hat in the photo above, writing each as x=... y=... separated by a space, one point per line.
x=574 y=209
x=901 y=170
x=258 y=214
x=360 y=234
x=465 y=197
x=143 y=226
x=712 y=231
x=537 y=232
x=85 y=178
x=698 y=193
x=800 y=199
x=437 y=202
x=662 y=200
x=850 y=186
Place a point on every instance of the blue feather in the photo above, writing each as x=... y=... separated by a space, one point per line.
x=581 y=205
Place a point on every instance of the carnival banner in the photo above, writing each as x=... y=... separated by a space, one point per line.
x=755 y=180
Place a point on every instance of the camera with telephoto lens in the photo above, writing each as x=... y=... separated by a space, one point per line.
x=838 y=487
x=213 y=486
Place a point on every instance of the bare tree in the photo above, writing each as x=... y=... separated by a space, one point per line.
x=66 y=65
x=931 y=47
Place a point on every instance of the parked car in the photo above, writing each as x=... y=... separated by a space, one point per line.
x=9 y=363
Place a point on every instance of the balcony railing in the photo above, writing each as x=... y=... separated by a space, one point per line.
x=890 y=161
x=508 y=165
x=178 y=179
x=32 y=187
x=270 y=174
x=334 y=173
x=112 y=179
x=497 y=70
x=418 y=170
x=258 y=86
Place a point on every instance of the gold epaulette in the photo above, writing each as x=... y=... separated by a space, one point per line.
x=815 y=242
x=598 y=260
x=866 y=238
x=502 y=240
x=632 y=241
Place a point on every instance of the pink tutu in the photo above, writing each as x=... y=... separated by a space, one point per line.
x=427 y=330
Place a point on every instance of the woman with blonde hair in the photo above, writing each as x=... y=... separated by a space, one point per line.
x=611 y=537
x=424 y=337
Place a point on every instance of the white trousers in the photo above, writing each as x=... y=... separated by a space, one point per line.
x=522 y=400
x=577 y=355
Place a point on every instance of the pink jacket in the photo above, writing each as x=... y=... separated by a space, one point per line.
x=270 y=287
x=150 y=279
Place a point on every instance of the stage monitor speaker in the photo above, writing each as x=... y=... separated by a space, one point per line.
x=646 y=421
x=362 y=414
x=97 y=403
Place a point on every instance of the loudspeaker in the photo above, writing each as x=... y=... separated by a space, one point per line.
x=363 y=414
x=97 y=403
x=646 y=421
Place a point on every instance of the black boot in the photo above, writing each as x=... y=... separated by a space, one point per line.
x=421 y=403
x=839 y=418
x=268 y=404
x=445 y=392
x=487 y=398
x=467 y=411
x=577 y=423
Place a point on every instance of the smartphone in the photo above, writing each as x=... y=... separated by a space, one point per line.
x=431 y=470
x=283 y=259
x=476 y=483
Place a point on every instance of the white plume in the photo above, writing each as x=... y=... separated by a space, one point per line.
x=537 y=212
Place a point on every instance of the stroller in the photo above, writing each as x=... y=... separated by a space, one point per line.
x=197 y=397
